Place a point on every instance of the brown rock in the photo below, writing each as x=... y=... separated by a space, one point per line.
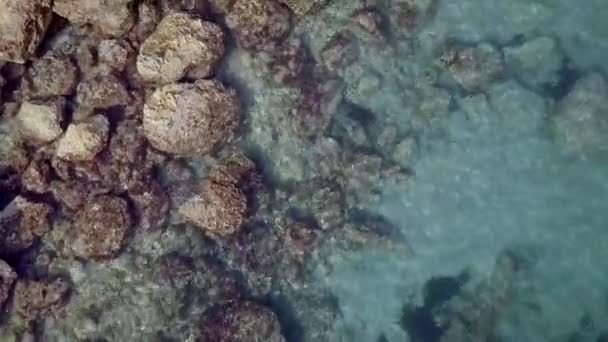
x=287 y=62
x=21 y=223
x=71 y=195
x=83 y=141
x=180 y=43
x=100 y=91
x=41 y=80
x=7 y=279
x=35 y=300
x=240 y=321
x=474 y=67
x=258 y=24
x=36 y=178
x=13 y=160
x=101 y=228
x=191 y=119
x=111 y=18
x=23 y=24
x=217 y=209
x=151 y=204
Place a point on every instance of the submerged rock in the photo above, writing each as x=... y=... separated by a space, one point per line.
x=37 y=177
x=101 y=228
x=473 y=68
x=83 y=141
x=191 y=119
x=407 y=16
x=303 y=7
x=341 y=51
x=22 y=222
x=35 y=300
x=287 y=62
x=111 y=18
x=537 y=62
x=7 y=279
x=240 y=321
x=580 y=123
x=42 y=80
x=100 y=91
x=180 y=43
x=23 y=24
x=258 y=24
x=40 y=123
x=217 y=209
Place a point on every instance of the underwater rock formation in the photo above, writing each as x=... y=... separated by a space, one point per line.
x=7 y=279
x=191 y=119
x=101 y=228
x=475 y=67
x=23 y=24
x=40 y=123
x=22 y=222
x=111 y=18
x=84 y=140
x=240 y=321
x=35 y=300
x=580 y=122
x=41 y=79
x=180 y=43
x=257 y=24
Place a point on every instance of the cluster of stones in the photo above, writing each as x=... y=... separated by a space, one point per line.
x=124 y=90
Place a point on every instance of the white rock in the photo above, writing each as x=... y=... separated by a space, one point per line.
x=40 y=123
x=83 y=141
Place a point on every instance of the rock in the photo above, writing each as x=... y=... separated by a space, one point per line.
x=35 y=300
x=257 y=24
x=114 y=54
x=537 y=62
x=101 y=228
x=40 y=123
x=23 y=24
x=37 y=177
x=150 y=203
x=21 y=223
x=70 y=195
x=580 y=124
x=407 y=16
x=191 y=119
x=370 y=21
x=100 y=91
x=124 y=162
x=111 y=18
x=83 y=141
x=341 y=51
x=180 y=43
x=148 y=17
x=303 y=7
x=217 y=209
x=240 y=321
x=7 y=279
x=474 y=68
x=41 y=79
x=221 y=6
x=287 y=62
x=13 y=158
x=405 y=152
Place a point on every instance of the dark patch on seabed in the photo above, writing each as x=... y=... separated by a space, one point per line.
x=419 y=321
